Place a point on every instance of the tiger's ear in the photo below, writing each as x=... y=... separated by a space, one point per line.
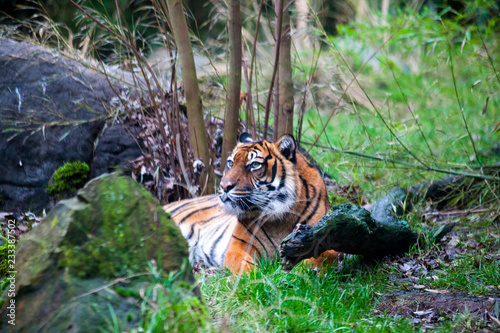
x=286 y=145
x=245 y=138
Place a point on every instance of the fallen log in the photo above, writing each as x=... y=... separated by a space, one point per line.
x=350 y=229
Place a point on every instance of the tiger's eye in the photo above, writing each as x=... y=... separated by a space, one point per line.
x=255 y=165
x=229 y=164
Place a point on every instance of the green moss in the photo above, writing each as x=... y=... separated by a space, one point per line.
x=69 y=177
x=120 y=232
x=3 y=260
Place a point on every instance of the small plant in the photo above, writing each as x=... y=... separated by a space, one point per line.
x=4 y=268
x=169 y=304
x=68 y=178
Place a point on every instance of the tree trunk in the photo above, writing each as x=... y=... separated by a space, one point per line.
x=276 y=106
x=286 y=102
x=197 y=131
x=279 y=15
x=231 y=119
x=304 y=43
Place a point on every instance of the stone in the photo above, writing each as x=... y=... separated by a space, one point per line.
x=54 y=110
x=69 y=266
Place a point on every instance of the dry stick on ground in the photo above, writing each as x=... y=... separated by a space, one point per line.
x=231 y=119
x=351 y=229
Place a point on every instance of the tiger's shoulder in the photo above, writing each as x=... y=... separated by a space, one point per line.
x=206 y=227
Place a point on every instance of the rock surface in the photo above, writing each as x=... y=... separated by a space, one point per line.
x=53 y=111
x=69 y=265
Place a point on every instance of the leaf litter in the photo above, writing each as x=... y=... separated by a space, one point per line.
x=428 y=307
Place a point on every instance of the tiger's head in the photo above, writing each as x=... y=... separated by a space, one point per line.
x=260 y=178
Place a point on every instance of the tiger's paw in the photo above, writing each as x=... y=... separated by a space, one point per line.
x=238 y=263
x=325 y=260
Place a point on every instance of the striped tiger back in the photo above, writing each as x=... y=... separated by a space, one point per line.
x=206 y=227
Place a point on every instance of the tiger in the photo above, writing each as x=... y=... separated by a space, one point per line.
x=267 y=188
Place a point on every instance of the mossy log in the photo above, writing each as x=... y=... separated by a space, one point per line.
x=354 y=230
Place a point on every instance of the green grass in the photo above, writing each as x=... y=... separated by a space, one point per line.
x=474 y=273
x=271 y=300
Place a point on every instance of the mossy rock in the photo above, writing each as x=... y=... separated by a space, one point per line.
x=112 y=229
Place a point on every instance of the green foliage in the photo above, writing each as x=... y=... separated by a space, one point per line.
x=473 y=274
x=4 y=269
x=172 y=306
x=434 y=93
x=167 y=303
x=271 y=300
x=434 y=84
x=336 y=200
x=69 y=178
x=4 y=252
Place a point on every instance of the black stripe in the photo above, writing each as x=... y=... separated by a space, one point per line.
x=266 y=234
x=196 y=211
x=192 y=202
x=210 y=262
x=214 y=244
x=274 y=171
x=245 y=242
x=311 y=200
x=191 y=232
x=283 y=173
x=213 y=231
x=252 y=233
x=314 y=210
x=281 y=197
x=308 y=202
x=212 y=218
x=251 y=263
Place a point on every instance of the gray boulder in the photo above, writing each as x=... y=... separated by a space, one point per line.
x=53 y=110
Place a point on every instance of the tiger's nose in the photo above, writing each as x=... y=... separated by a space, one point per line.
x=227 y=185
